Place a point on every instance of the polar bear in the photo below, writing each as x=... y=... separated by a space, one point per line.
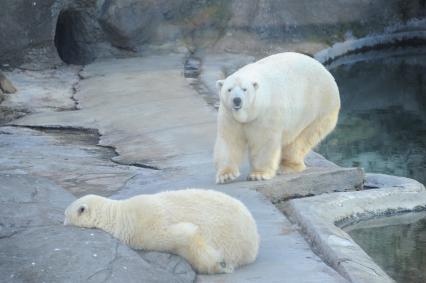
x=214 y=232
x=278 y=108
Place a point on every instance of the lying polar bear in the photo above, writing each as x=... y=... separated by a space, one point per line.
x=278 y=108
x=213 y=231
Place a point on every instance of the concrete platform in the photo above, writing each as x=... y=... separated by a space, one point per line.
x=147 y=112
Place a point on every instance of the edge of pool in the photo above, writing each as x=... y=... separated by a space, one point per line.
x=319 y=219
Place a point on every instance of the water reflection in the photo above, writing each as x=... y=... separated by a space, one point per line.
x=382 y=126
x=396 y=243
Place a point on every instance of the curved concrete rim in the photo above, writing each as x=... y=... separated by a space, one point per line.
x=408 y=33
x=319 y=218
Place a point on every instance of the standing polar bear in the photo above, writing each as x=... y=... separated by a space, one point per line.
x=278 y=108
x=212 y=230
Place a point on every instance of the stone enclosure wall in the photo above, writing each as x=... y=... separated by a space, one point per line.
x=38 y=34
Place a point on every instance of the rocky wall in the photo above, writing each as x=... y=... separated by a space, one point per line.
x=37 y=34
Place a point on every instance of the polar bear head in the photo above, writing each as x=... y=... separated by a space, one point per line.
x=238 y=95
x=82 y=212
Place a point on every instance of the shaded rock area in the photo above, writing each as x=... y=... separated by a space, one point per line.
x=38 y=34
x=77 y=36
x=129 y=23
x=36 y=247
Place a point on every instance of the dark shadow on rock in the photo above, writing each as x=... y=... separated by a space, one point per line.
x=72 y=37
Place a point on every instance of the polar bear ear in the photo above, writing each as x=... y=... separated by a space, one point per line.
x=255 y=85
x=219 y=84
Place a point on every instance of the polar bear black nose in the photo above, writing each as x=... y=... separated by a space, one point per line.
x=237 y=101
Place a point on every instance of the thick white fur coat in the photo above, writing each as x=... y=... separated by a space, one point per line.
x=212 y=230
x=289 y=103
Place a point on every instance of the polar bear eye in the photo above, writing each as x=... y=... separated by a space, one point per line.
x=229 y=89
x=81 y=210
x=244 y=89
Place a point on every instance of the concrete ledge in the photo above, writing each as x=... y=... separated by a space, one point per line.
x=318 y=216
x=335 y=55
x=313 y=181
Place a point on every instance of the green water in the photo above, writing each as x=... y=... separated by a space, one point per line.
x=382 y=125
x=396 y=243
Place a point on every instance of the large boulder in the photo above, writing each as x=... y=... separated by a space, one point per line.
x=39 y=34
x=129 y=23
x=27 y=31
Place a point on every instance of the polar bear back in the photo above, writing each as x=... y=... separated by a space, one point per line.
x=300 y=88
x=225 y=221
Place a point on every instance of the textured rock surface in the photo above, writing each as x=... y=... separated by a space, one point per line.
x=129 y=23
x=27 y=30
x=69 y=157
x=39 y=91
x=36 y=247
x=81 y=31
x=6 y=85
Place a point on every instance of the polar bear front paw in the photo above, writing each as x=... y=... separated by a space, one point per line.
x=227 y=175
x=260 y=176
x=222 y=267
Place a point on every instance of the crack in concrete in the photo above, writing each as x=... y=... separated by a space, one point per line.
x=344 y=260
x=34 y=193
x=8 y=236
x=20 y=230
x=127 y=182
x=108 y=266
x=93 y=131
x=75 y=89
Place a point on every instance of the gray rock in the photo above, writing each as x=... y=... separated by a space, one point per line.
x=6 y=85
x=36 y=247
x=313 y=181
x=38 y=34
x=23 y=197
x=78 y=35
x=69 y=157
x=192 y=67
x=129 y=23
x=27 y=30
x=32 y=33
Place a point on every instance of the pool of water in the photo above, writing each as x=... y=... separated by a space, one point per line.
x=382 y=125
x=396 y=243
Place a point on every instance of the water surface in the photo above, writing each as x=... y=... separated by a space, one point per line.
x=382 y=125
x=395 y=243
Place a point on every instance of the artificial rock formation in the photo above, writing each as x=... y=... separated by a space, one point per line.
x=38 y=34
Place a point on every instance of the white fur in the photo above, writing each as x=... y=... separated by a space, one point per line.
x=212 y=230
x=290 y=102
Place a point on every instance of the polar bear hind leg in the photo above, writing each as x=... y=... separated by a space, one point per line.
x=191 y=245
x=293 y=154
